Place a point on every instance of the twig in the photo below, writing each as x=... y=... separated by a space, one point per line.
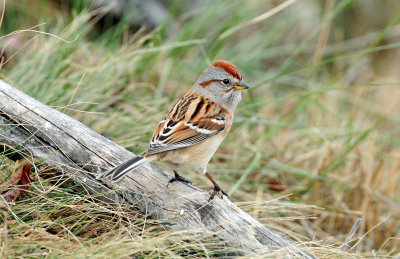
x=350 y=236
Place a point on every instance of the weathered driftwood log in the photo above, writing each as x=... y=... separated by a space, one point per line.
x=36 y=130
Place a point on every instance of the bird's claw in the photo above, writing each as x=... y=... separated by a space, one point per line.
x=179 y=178
x=216 y=190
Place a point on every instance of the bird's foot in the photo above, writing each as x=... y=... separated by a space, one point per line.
x=217 y=190
x=179 y=178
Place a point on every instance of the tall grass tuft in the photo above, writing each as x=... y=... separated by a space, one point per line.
x=313 y=148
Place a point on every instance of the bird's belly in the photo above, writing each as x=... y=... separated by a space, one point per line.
x=195 y=157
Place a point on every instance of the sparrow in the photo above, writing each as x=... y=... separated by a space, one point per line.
x=192 y=131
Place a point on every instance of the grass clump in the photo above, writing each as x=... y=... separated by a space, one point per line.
x=316 y=133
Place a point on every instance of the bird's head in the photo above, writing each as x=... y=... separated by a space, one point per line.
x=222 y=83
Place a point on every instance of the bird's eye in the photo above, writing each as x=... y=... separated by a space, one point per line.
x=225 y=81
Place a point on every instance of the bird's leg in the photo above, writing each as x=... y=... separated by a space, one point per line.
x=179 y=178
x=216 y=188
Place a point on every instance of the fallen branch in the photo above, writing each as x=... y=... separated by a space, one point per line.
x=35 y=130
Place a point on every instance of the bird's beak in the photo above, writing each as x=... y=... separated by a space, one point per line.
x=241 y=86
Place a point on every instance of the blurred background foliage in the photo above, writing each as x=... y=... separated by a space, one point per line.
x=319 y=127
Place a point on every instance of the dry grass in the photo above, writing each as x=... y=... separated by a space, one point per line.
x=321 y=122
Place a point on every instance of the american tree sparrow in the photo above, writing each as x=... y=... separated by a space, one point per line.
x=195 y=127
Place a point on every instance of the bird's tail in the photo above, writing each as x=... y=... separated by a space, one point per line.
x=119 y=171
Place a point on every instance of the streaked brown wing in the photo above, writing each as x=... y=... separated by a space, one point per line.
x=191 y=121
